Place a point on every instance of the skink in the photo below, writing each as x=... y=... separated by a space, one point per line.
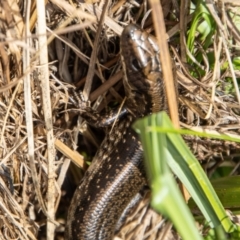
x=117 y=174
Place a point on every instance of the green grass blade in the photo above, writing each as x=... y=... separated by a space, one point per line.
x=166 y=197
x=184 y=165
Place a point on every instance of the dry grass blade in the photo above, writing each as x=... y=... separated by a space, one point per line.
x=166 y=59
x=44 y=79
x=93 y=59
x=223 y=35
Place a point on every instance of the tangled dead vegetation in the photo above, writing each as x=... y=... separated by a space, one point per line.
x=41 y=65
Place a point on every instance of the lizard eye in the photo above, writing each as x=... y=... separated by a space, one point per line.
x=135 y=65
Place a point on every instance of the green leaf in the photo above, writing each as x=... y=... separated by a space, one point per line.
x=164 y=146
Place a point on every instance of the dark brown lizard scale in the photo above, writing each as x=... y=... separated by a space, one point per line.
x=117 y=174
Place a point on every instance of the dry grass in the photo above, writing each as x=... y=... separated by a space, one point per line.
x=36 y=105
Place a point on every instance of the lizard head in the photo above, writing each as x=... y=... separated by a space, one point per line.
x=141 y=65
